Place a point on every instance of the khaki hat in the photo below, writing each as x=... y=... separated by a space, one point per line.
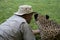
x=24 y=9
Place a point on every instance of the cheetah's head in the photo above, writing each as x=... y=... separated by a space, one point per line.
x=41 y=20
x=39 y=17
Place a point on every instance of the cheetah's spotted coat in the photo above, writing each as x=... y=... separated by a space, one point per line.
x=49 y=30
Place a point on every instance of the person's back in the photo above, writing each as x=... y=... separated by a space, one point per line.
x=11 y=28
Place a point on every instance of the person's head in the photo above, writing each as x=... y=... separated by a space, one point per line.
x=28 y=17
x=26 y=12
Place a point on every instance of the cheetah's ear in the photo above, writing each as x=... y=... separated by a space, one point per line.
x=47 y=16
x=36 y=16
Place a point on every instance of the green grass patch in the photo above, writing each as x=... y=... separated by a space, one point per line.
x=50 y=7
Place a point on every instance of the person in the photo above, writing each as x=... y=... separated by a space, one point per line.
x=17 y=26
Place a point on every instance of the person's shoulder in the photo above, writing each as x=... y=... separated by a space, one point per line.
x=24 y=23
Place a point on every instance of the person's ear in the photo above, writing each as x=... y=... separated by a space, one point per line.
x=36 y=16
x=47 y=16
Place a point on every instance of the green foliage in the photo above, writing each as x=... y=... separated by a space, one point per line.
x=50 y=7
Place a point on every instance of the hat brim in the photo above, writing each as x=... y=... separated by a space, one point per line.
x=19 y=13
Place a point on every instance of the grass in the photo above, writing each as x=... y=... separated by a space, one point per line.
x=50 y=7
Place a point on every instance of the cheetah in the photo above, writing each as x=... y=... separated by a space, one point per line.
x=49 y=29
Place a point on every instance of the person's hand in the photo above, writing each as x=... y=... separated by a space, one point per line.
x=36 y=31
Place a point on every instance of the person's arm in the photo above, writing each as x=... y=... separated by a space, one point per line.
x=27 y=32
